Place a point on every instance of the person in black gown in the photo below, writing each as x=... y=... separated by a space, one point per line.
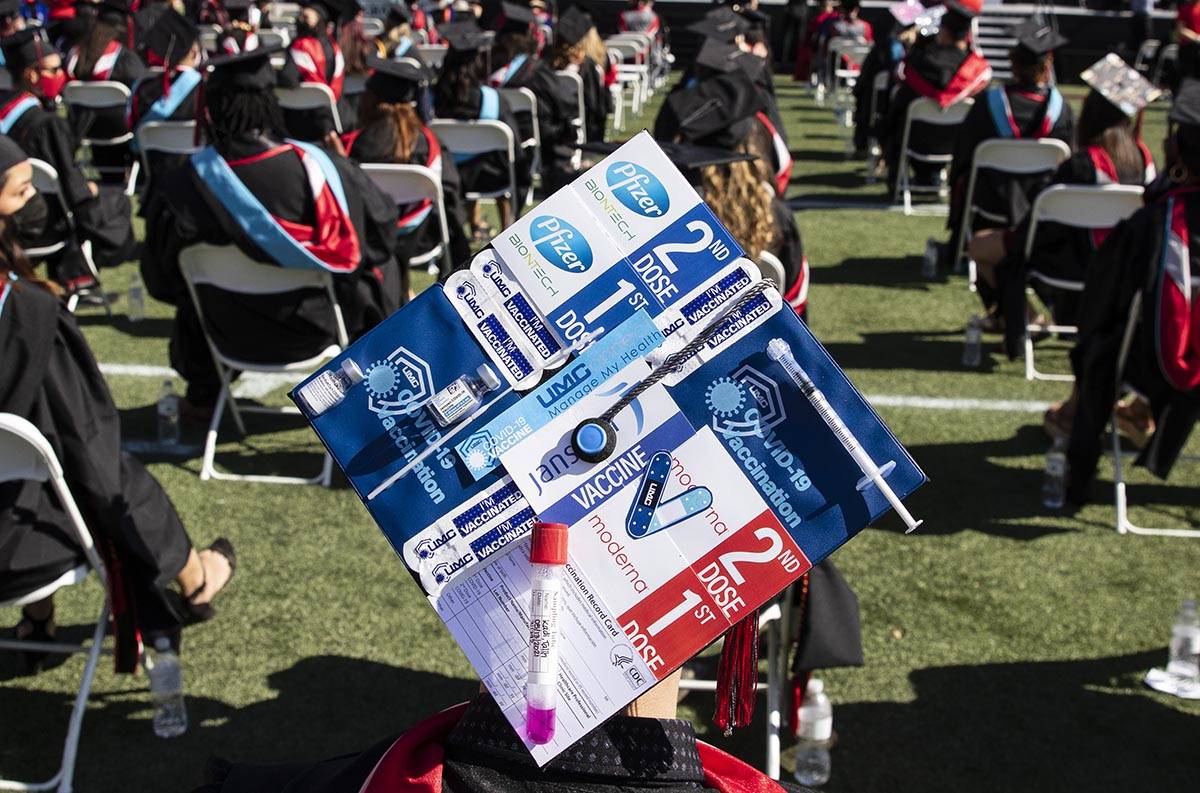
x=885 y=57
x=392 y=132
x=315 y=57
x=569 y=55
x=347 y=228
x=460 y=94
x=50 y=378
x=102 y=216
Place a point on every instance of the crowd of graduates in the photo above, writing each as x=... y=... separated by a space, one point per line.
x=286 y=187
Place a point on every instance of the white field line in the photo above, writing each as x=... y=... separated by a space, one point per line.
x=253 y=385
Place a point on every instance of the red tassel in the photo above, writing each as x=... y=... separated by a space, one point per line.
x=799 y=687
x=737 y=675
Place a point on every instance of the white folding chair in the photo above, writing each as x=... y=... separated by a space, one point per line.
x=274 y=37
x=25 y=454
x=99 y=96
x=284 y=12
x=1145 y=55
x=432 y=55
x=1015 y=156
x=1121 y=497
x=165 y=137
x=406 y=184
x=775 y=618
x=209 y=36
x=372 y=28
x=226 y=267
x=481 y=137
x=522 y=100
x=45 y=181
x=925 y=111
x=310 y=96
x=846 y=58
x=1077 y=206
x=770 y=267
x=572 y=82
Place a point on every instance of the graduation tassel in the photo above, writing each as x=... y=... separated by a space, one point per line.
x=737 y=675
x=799 y=677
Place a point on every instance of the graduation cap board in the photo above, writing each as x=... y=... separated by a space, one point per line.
x=620 y=296
x=1036 y=37
x=1120 y=84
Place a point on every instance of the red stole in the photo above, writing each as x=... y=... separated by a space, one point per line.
x=413 y=764
x=971 y=77
x=1177 y=335
x=1106 y=173
x=309 y=57
x=783 y=157
x=102 y=69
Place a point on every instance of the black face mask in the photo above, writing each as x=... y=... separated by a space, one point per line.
x=30 y=221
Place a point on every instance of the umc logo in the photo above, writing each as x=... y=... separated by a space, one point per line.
x=746 y=404
x=477 y=451
x=638 y=189
x=466 y=293
x=398 y=383
x=561 y=244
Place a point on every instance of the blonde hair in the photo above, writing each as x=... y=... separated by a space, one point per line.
x=593 y=47
x=736 y=194
x=565 y=55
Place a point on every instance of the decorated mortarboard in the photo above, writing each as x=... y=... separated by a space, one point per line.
x=10 y=153
x=464 y=36
x=709 y=114
x=1036 y=37
x=572 y=26
x=517 y=15
x=1120 y=84
x=395 y=81
x=907 y=12
x=172 y=36
x=721 y=24
x=26 y=46
x=1186 y=108
x=244 y=71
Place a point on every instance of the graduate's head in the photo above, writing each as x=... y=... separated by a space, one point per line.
x=462 y=68
x=850 y=8
x=34 y=63
x=239 y=97
x=23 y=216
x=569 y=35
x=515 y=35
x=391 y=96
x=16 y=178
x=1107 y=118
x=316 y=16
x=173 y=39
x=1183 y=137
x=398 y=22
x=1032 y=57
x=10 y=17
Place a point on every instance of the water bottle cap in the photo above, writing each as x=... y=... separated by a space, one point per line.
x=815 y=686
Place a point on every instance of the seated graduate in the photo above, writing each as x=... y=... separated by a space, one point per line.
x=1109 y=150
x=570 y=53
x=102 y=216
x=723 y=113
x=315 y=57
x=460 y=94
x=640 y=18
x=174 y=43
x=806 y=45
x=238 y=33
x=885 y=57
x=398 y=35
x=106 y=54
x=392 y=132
x=147 y=14
x=281 y=202
x=1028 y=107
x=944 y=68
x=70 y=21
x=514 y=65
x=50 y=377
x=846 y=24
x=423 y=23
x=1147 y=266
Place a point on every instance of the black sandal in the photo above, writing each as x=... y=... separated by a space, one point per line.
x=203 y=612
x=34 y=661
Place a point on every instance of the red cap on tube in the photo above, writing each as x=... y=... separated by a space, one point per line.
x=549 y=543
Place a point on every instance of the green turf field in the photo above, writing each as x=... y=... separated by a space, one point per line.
x=1004 y=643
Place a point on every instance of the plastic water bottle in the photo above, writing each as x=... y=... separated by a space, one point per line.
x=1054 y=481
x=166 y=688
x=168 y=415
x=136 y=310
x=973 y=343
x=929 y=262
x=813 y=765
x=1184 y=653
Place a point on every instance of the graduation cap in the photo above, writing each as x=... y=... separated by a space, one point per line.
x=572 y=26
x=10 y=8
x=1186 y=109
x=10 y=153
x=394 y=82
x=465 y=36
x=721 y=24
x=1036 y=38
x=712 y=113
x=398 y=14
x=243 y=71
x=25 y=48
x=333 y=10
x=121 y=8
x=907 y=12
x=724 y=58
x=172 y=36
x=1123 y=87
x=517 y=16
x=237 y=9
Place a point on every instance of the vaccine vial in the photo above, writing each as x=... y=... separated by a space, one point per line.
x=462 y=397
x=329 y=388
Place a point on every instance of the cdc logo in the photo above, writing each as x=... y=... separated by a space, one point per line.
x=561 y=244
x=638 y=189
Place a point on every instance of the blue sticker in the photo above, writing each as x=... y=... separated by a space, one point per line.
x=654 y=480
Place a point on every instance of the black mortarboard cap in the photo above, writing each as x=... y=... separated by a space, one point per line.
x=572 y=26
x=517 y=15
x=25 y=47
x=10 y=8
x=709 y=114
x=116 y=7
x=1036 y=37
x=10 y=153
x=1186 y=109
x=721 y=24
x=1120 y=84
x=394 y=81
x=172 y=36
x=724 y=57
x=398 y=13
x=334 y=10
x=464 y=36
x=236 y=7
x=244 y=71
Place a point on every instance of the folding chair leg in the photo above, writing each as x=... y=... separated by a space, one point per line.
x=210 y=439
x=131 y=185
x=1031 y=370
x=774 y=686
x=1124 y=524
x=75 y=726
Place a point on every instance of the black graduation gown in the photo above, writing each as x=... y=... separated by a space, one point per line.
x=787 y=244
x=1128 y=262
x=110 y=123
x=289 y=326
x=1000 y=195
x=597 y=101
x=374 y=143
x=103 y=219
x=556 y=109
x=885 y=56
x=146 y=92
x=486 y=173
x=50 y=377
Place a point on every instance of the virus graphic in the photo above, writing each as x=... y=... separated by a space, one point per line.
x=725 y=397
x=478 y=458
x=382 y=379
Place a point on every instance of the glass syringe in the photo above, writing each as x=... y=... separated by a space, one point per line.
x=780 y=351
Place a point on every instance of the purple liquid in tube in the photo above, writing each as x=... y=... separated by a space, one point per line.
x=539 y=724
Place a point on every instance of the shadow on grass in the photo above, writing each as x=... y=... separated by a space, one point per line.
x=325 y=706
x=916 y=350
x=820 y=155
x=893 y=271
x=148 y=328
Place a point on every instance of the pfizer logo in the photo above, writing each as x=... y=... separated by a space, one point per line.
x=561 y=244
x=638 y=189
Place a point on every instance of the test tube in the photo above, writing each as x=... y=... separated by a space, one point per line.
x=547 y=555
x=780 y=351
